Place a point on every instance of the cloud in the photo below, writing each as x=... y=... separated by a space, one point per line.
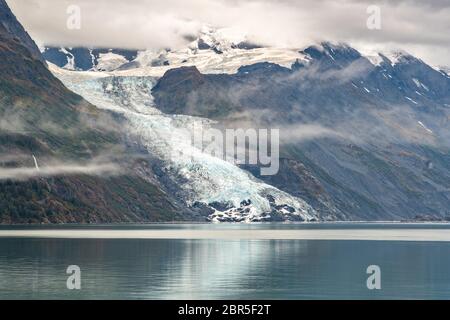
x=353 y=71
x=92 y=169
x=420 y=27
x=11 y=119
x=306 y=132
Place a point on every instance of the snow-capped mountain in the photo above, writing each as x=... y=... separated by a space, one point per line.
x=384 y=111
x=84 y=59
x=213 y=51
x=380 y=126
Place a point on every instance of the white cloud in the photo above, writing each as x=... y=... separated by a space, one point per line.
x=305 y=132
x=420 y=27
x=25 y=173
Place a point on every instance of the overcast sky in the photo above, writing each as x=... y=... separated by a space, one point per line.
x=421 y=27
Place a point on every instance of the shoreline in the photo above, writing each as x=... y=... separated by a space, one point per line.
x=391 y=234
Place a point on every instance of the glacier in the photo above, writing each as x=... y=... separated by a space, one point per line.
x=203 y=178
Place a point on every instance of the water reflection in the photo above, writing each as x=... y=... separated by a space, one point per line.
x=217 y=269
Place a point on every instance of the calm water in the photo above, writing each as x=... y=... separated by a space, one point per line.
x=35 y=268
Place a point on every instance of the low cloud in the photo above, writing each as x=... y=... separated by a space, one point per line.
x=12 y=123
x=353 y=71
x=306 y=132
x=92 y=169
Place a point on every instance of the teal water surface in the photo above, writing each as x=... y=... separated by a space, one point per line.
x=35 y=268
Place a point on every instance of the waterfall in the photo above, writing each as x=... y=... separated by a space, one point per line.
x=35 y=162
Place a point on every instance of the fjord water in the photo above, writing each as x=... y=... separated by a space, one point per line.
x=35 y=268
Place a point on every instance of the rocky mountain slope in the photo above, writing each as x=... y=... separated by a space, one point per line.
x=13 y=29
x=84 y=59
x=368 y=137
x=363 y=138
x=60 y=157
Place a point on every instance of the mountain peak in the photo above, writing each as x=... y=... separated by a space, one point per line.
x=330 y=55
x=445 y=69
x=222 y=39
x=398 y=56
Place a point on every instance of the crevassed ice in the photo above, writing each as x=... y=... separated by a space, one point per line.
x=208 y=179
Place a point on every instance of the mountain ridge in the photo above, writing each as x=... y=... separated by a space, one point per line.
x=73 y=143
x=383 y=124
x=13 y=28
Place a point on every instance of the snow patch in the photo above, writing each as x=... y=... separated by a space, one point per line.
x=110 y=61
x=376 y=60
x=425 y=127
x=413 y=101
x=420 y=84
x=396 y=56
x=70 y=59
